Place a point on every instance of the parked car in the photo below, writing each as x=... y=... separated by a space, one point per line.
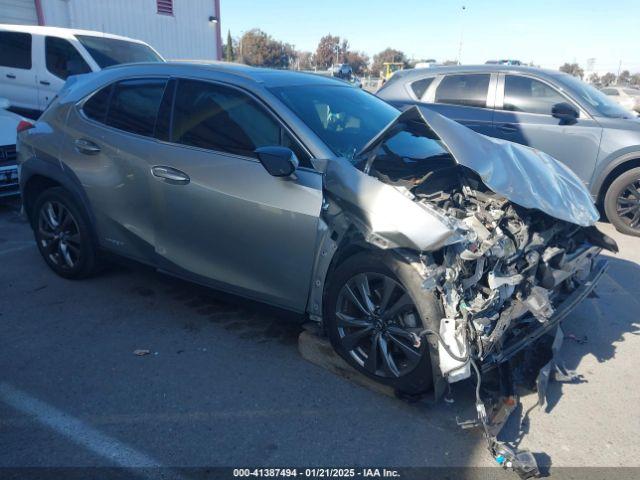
x=548 y=110
x=342 y=70
x=302 y=192
x=9 y=123
x=36 y=61
x=628 y=97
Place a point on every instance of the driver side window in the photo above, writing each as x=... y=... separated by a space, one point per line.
x=524 y=94
x=215 y=117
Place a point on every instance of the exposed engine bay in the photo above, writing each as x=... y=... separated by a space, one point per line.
x=502 y=233
x=510 y=268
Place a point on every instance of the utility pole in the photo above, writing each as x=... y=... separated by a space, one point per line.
x=464 y=8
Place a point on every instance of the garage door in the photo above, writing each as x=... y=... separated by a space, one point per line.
x=18 y=11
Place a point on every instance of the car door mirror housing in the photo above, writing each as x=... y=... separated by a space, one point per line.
x=565 y=112
x=278 y=161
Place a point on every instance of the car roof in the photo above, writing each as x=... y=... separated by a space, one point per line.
x=62 y=32
x=487 y=68
x=265 y=76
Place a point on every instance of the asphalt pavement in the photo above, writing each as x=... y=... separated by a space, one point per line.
x=223 y=384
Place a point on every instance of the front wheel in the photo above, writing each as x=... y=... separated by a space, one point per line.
x=622 y=202
x=374 y=309
x=63 y=234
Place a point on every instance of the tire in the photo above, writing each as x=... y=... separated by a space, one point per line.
x=622 y=202
x=63 y=234
x=413 y=374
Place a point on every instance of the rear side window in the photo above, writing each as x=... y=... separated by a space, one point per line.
x=467 y=90
x=523 y=94
x=218 y=118
x=97 y=106
x=420 y=86
x=134 y=105
x=63 y=59
x=15 y=50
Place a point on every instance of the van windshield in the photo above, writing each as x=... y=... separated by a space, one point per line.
x=113 y=51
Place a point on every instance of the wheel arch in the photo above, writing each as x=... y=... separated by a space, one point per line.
x=617 y=168
x=36 y=176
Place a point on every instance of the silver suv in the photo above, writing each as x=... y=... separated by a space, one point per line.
x=548 y=110
x=422 y=247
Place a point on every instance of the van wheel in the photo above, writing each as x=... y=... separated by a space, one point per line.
x=622 y=202
x=373 y=308
x=63 y=235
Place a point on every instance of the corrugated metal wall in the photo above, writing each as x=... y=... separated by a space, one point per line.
x=22 y=12
x=187 y=34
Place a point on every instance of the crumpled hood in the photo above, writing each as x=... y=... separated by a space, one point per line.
x=525 y=176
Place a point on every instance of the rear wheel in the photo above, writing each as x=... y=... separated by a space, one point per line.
x=63 y=235
x=374 y=310
x=622 y=202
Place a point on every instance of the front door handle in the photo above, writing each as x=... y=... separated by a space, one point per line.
x=508 y=128
x=44 y=82
x=11 y=76
x=86 y=146
x=172 y=175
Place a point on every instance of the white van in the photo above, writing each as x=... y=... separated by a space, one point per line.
x=36 y=61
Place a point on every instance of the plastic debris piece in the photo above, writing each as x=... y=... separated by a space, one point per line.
x=141 y=352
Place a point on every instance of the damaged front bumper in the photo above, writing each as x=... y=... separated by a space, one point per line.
x=561 y=312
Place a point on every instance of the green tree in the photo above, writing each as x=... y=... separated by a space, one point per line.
x=607 y=79
x=387 y=55
x=359 y=61
x=228 y=48
x=624 y=78
x=572 y=69
x=635 y=80
x=326 y=51
x=257 y=48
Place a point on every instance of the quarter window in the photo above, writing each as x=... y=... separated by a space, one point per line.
x=219 y=118
x=419 y=87
x=15 y=50
x=63 y=59
x=467 y=90
x=96 y=107
x=134 y=105
x=523 y=94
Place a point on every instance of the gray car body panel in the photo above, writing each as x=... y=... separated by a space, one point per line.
x=227 y=242
x=525 y=176
x=593 y=147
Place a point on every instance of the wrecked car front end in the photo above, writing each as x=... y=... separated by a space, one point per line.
x=503 y=234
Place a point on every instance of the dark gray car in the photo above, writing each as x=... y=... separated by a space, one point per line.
x=548 y=110
x=302 y=192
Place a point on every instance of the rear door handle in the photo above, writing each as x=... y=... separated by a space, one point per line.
x=44 y=82
x=11 y=76
x=86 y=146
x=172 y=175
x=508 y=128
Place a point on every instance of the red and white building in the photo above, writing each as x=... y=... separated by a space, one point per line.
x=177 y=29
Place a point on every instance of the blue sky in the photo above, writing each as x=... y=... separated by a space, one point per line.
x=543 y=31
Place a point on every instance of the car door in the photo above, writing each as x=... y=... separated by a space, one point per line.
x=110 y=148
x=524 y=115
x=18 y=70
x=221 y=218
x=465 y=97
x=60 y=59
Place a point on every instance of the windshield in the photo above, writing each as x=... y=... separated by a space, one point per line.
x=345 y=118
x=604 y=105
x=111 y=51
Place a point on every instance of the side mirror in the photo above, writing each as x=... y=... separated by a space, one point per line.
x=565 y=112
x=278 y=161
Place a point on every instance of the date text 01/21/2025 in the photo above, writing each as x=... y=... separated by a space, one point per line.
x=316 y=472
